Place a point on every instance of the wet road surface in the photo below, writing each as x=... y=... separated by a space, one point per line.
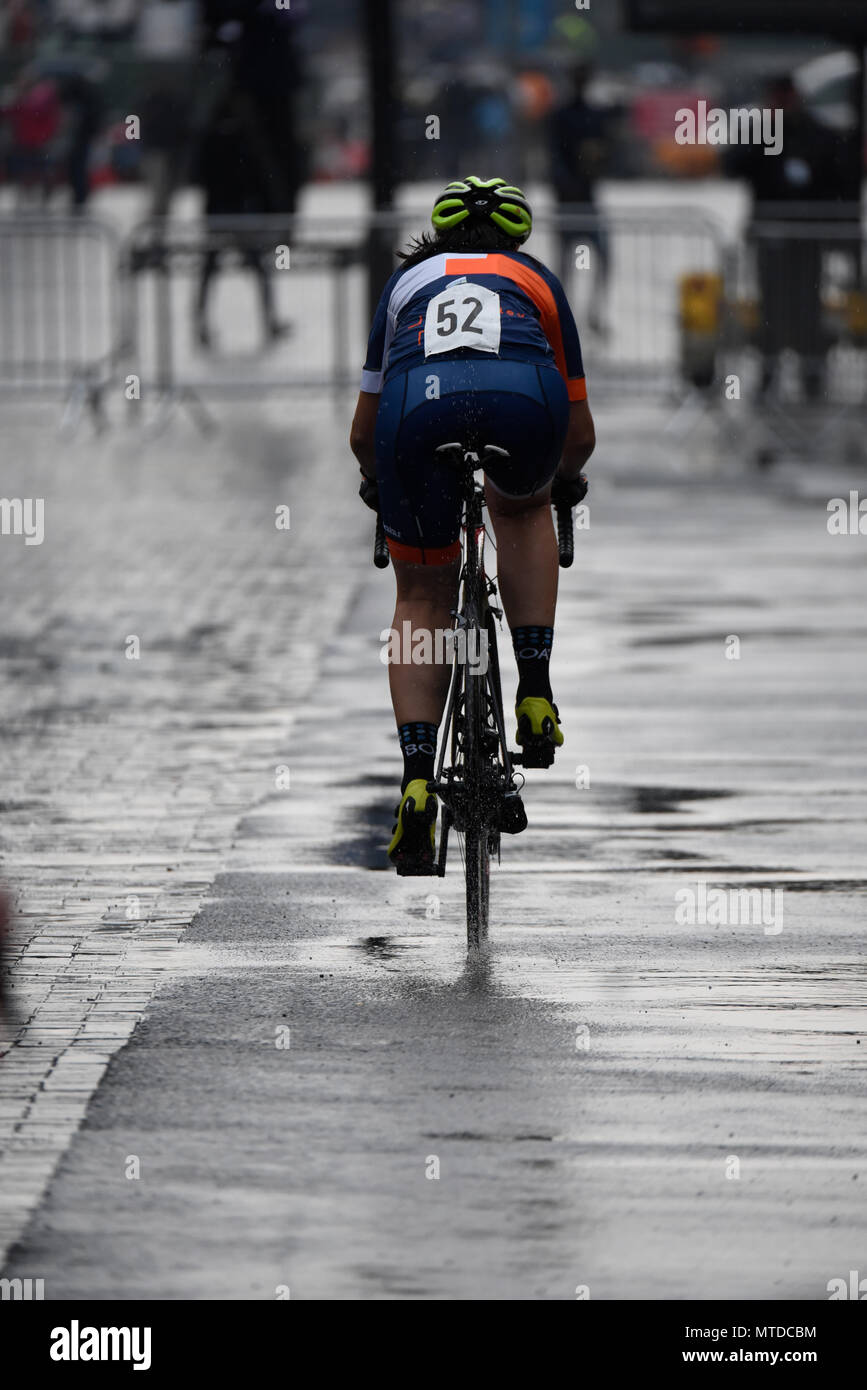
x=324 y=1094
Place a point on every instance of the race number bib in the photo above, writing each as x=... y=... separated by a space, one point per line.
x=464 y=315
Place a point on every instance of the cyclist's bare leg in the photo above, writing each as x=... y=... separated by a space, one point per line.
x=527 y=558
x=426 y=598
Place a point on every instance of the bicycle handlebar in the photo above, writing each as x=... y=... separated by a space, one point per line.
x=565 y=535
x=380 y=548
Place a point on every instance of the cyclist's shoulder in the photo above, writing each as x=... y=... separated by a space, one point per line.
x=420 y=278
x=422 y=275
x=417 y=270
x=541 y=276
x=533 y=263
x=394 y=279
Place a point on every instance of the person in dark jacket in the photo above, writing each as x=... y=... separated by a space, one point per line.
x=82 y=102
x=805 y=182
x=234 y=166
x=249 y=159
x=580 y=146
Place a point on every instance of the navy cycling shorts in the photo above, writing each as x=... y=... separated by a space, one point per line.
x=519 y=406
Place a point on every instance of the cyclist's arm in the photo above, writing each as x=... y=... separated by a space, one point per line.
x=580 y=440
x=562 y=334
x=361 y=434
x=558 y=325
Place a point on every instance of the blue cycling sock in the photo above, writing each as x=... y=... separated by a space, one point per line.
x=532 y=644
x=418 y=744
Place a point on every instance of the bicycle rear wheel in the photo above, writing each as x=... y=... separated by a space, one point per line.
x=477 y=851
x=478 y=868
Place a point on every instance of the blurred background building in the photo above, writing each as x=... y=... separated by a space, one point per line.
x=493 y=73
x=250 y=114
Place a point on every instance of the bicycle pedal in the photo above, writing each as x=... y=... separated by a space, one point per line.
x=416 y=868
x=536 y=751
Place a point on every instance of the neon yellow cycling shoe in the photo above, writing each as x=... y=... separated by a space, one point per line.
x=412 y=845
x=538 y=730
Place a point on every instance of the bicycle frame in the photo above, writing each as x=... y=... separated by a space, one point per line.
x=477 y=789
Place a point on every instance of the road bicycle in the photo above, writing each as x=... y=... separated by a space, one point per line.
x=475 y=777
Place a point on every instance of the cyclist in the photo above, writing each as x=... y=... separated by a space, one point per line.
x=473 y=341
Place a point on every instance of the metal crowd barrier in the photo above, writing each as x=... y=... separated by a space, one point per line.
x=620 y=269
x=664 y=306
x=795 y=335
x=623 y=271
x=312 y=280
x=59 y=316
x=798 y=289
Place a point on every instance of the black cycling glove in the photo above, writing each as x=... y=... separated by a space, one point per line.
x=569 y=491
x=369 y=492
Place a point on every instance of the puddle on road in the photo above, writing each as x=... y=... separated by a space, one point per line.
x=673 y=609
x=687 y=639
x=546 y=975
x=666 y=852
x=384 y=947
x=815 y=885
x=372 y=821
x=801 y=1019
x=465 y=1136
x=366 y=847
x=663 y=801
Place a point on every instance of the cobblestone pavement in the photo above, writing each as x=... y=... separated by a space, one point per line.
x=123 y=779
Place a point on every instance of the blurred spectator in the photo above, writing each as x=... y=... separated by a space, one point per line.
x=18 y=23
x=343 y=153
x=268 y=70
x=476 y=118
x=440 y=33
x=82 y=103
x=580 y=145
x=166 y=113
x=33 y=118
x=534 y=93
x=236 y=168
x=250 y=160
x=793 y=187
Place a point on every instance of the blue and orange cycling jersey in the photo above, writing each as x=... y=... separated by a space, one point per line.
x=501 y=303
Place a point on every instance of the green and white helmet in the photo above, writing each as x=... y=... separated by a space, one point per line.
x=481 y=200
